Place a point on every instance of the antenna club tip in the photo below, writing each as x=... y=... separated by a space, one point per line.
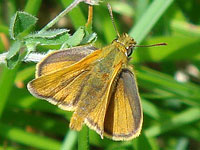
x=163 y=44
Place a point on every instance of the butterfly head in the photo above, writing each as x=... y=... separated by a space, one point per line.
x=127 y=42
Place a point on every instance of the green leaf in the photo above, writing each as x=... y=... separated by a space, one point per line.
x=48 y=38
x=75 y=39
x=89 y=38
x=12 y=57
x=20 y=23
x=80 y=37
x=48 y=34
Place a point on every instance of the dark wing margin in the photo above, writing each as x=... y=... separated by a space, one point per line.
x=123 y=120
x=62 y=58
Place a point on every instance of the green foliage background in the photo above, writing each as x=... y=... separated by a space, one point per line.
x=171 y=108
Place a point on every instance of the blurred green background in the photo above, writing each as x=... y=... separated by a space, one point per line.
x=168 y=76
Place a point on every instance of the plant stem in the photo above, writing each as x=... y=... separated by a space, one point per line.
x=83 y=139
x=70 y=140
x=63 y=13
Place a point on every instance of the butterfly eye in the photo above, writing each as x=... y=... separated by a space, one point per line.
x=129 y=51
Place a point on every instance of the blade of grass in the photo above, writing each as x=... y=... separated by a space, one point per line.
x=30 y=102
x=25 y=73
x=95 y=139
x=149 y=18
x=6 y=84
x=7 y=148
x=182 y=144
x=141 y=8
x=151 y=79
x=186 y=117
x=32 y=6
x=185 y=28
x=70 y=140
x=11 y=9
x=103 y=20
x=29 y=139
x=150 y=109
x=142 y=143
x=191 y=132
x=46 y=123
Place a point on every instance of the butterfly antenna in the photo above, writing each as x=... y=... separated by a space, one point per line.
x=158 y=44
x=112 y=18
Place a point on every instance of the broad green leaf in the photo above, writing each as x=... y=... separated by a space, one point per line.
x=20 y=23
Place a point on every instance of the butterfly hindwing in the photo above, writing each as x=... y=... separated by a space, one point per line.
x=123 y=118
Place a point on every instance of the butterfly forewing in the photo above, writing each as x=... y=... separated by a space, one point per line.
x=63 y=86
x=123 y=119
x=59 y=59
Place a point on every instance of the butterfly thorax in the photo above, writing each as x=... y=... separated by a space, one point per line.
x=125 y=43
